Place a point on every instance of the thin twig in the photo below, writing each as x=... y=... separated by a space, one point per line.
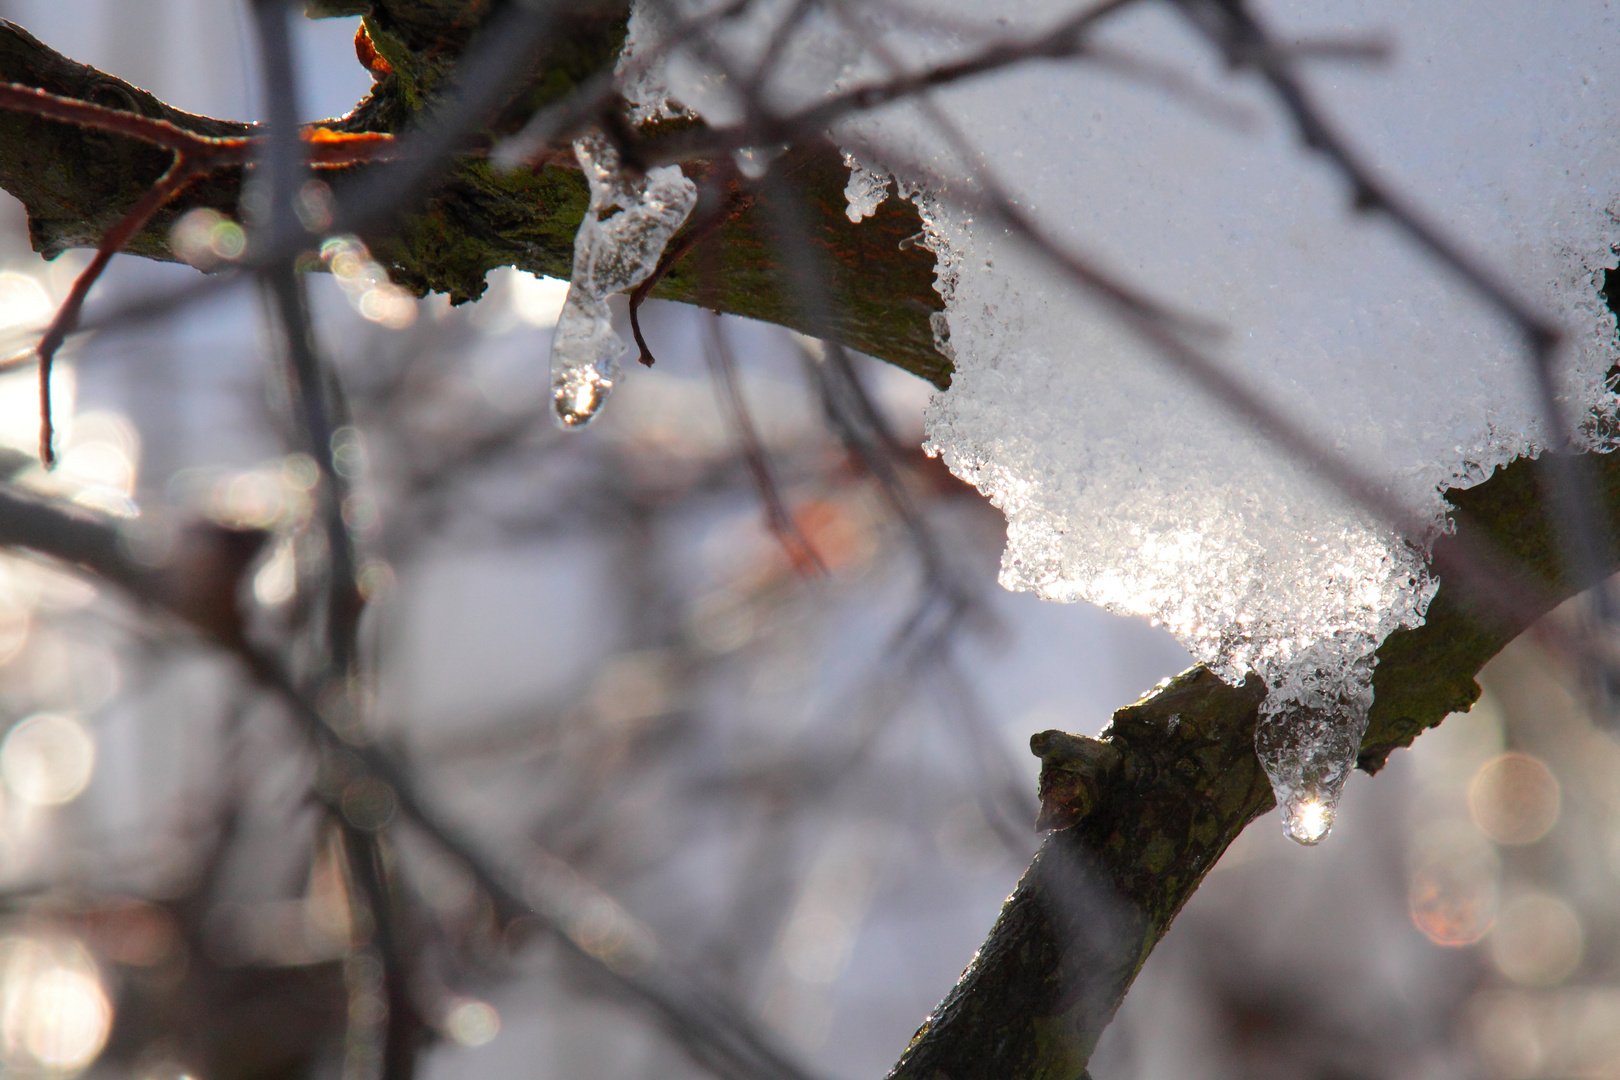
x=1066 y=41
x=720 y=1032
x=328 y=148
x=1484 y=574
x=194 y=156
x=859 y=423
x=732 y=202
x=424 y=151
x=717 y=1033
x=1237 y=31
x=181 y=172
x=281 y=165
x=484 y=78
x=597 y=93
x=801 y=554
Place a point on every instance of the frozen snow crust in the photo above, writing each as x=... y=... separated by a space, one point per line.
x=1127 y=487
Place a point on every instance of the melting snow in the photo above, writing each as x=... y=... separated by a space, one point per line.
x=1127 y=487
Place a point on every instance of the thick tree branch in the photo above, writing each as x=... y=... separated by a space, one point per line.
x=77 y=184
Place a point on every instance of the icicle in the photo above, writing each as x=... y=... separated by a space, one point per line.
x=612 y=253
x=1310 y=730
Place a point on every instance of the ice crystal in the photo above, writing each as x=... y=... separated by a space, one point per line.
x=1125 y=486
x=865 y=191
x=1310 y=730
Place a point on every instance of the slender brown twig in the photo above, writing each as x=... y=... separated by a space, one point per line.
x=734 y=201
x=180 y=174
x=194 y=156
x=801 y=554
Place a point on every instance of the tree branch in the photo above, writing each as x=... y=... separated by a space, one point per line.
x=198 y=577
x=77 y=184
x=1156 y=800
x=1151 y=805
x=1147 y=809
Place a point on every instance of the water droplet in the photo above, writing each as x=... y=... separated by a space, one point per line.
x=1309 y=731
x=1308 y=818
x=577 y=397
x=755 y=161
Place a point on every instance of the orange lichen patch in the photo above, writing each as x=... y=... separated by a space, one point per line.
x=326 y=135
x=370 y=58
x=329 y=147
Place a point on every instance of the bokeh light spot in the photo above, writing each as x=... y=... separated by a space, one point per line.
x=1514 y=799
x=54 y=1014
x=205 y=238
x=1451 y=905
x=473 y=1023
x=23 y=301
x=47 y=759
x=1537 y=941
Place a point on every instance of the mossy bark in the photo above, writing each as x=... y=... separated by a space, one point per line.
x=1148 y=809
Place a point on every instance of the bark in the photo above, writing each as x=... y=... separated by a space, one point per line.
x=1145 y=811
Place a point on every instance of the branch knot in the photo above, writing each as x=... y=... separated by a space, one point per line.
x=1073 y=768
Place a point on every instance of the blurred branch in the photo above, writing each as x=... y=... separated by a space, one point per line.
x=280 y=163
x=1183 y=786
x=192 y=582
x=734 y=406
x=193 y=574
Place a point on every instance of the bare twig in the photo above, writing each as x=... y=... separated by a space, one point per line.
x=281 y=164
x=485 y=76
x=718 y=1034
x=1068 y=40
x=194 y=155
x=728 y=201
x=598 y=93
x=1483 y=573
x=180 y=174
x=795 y=545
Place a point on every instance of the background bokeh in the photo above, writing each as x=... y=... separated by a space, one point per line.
x=813 y=792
